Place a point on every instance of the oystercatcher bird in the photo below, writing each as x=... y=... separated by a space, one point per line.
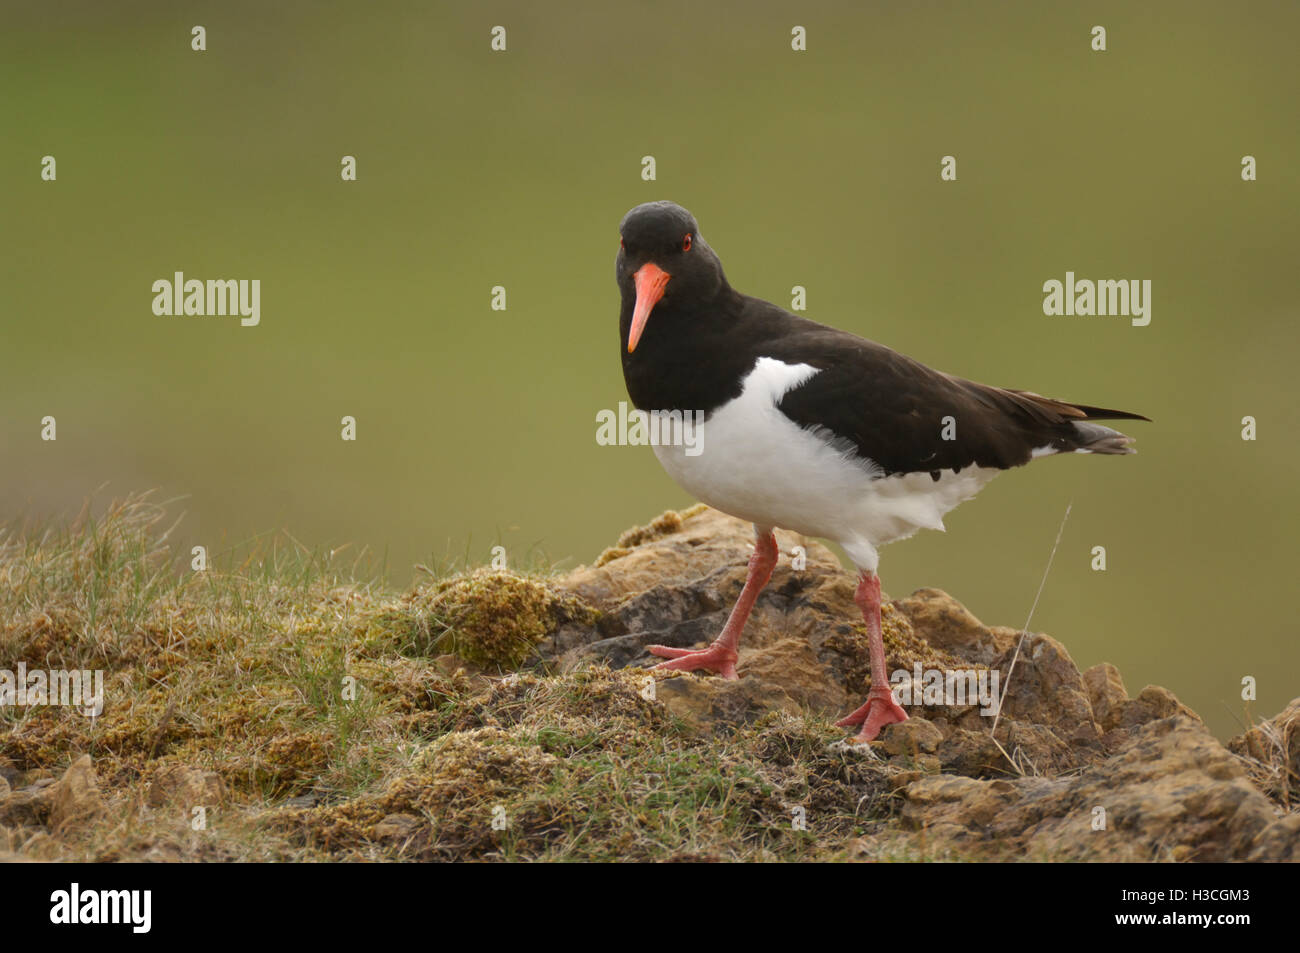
x=813 y=429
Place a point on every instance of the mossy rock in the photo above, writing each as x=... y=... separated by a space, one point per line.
x=491 y=618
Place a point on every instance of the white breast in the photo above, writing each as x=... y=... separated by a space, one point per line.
x=757 y=464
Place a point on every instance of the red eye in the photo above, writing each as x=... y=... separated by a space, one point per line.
x=686 y=242
x=621 y=245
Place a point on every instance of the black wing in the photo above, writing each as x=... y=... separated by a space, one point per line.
x=906 y=417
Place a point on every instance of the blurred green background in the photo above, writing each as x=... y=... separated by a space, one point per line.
x=818 y=168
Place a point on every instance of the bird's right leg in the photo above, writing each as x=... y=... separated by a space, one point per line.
x=880 y=708
x=721 y=656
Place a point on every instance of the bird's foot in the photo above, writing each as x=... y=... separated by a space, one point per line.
x=716 y=658
x=878 y=710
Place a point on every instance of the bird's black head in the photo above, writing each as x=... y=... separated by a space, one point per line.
x=663 y=265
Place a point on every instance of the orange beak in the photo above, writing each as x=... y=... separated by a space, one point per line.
x=650 y=283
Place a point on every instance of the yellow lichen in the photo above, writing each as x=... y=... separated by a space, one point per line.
x=903 y=649
x=665 y=524
x=610 y=554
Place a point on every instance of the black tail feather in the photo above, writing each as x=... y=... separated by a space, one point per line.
x=1102 y=413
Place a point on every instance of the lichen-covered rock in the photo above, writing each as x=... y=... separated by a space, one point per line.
x=186 y=787
x=680 y=549
x=1171 y=793
x=1106 y=694
x=712 y=705
x=75 y=799
x=972 y=753
x=913 y=737
x=1047 y=689
x=955 y=811
x=946 y=624
x=1152 y=704
x=792 y=667
x=674 y=583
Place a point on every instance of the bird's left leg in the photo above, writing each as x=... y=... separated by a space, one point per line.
x=721 y=656
x=880 y=709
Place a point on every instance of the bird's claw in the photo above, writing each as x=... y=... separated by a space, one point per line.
x=716 y=658
x=880 y=709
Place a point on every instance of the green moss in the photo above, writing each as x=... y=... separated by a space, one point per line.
x=493 y=619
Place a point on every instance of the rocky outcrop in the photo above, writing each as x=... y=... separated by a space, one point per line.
x=1076 y=770
x=1171 y=792
x=674 y=583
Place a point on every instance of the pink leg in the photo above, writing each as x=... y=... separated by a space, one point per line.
x=880 y=709
x=721 y=656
